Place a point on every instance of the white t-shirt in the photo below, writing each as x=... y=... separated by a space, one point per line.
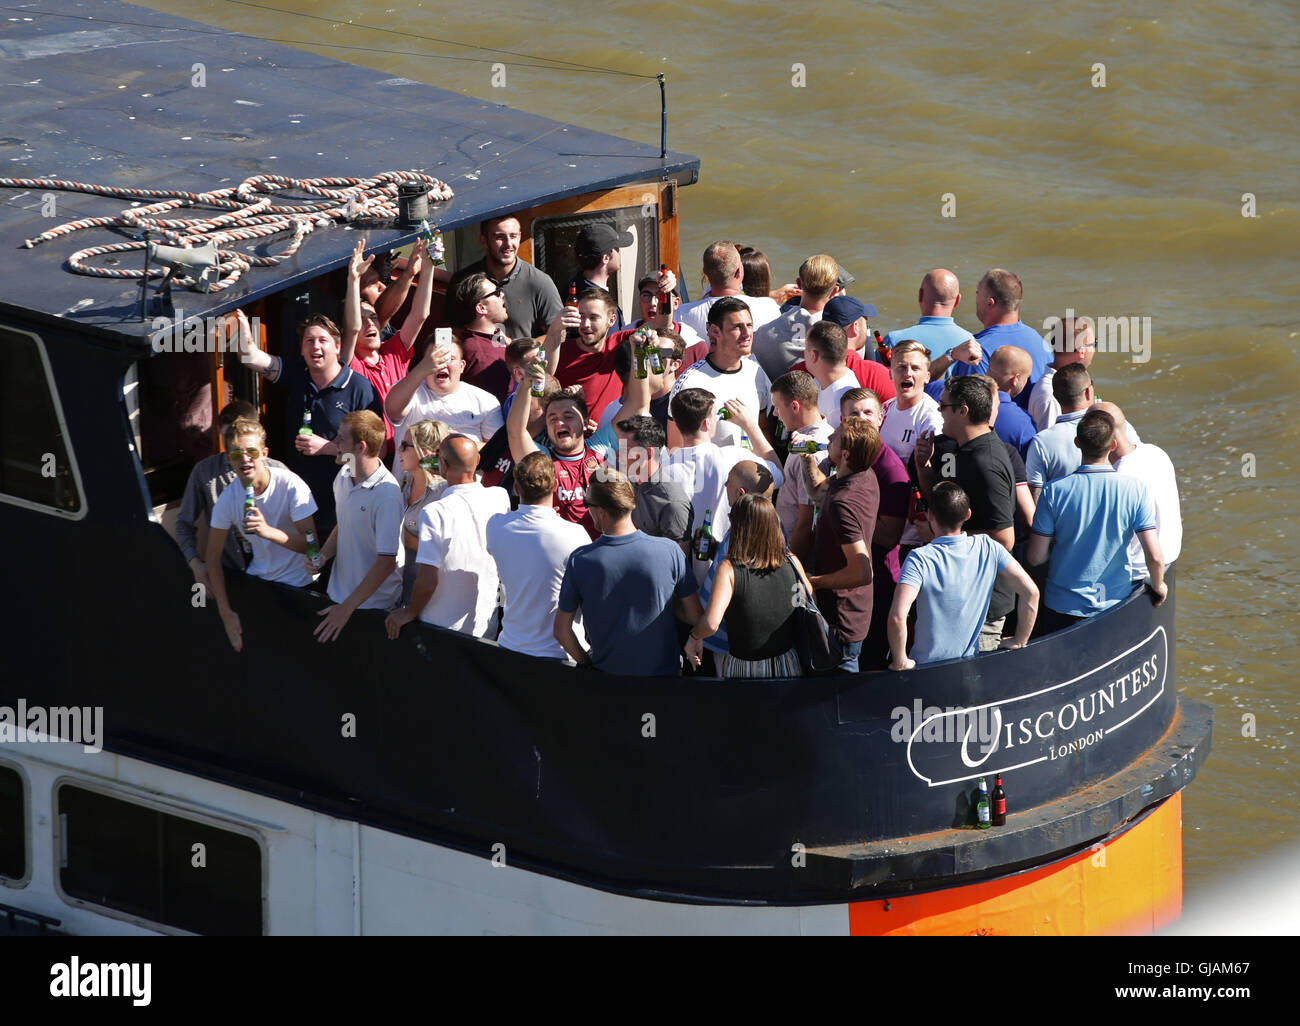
x=902 y=427
x=1043 y=407
x=286 y=499
x=900 y=431
x=793 y=494
x=696 y=315
x=467 y=411
x=828 y=399
x=530 y=546
x=370 y=525
x=747 y=383
x=453 y=537
x=702 y=472
x=1151 y=465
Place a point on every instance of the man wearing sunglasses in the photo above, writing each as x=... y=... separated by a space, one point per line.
x=275 y=526
x=480 y=307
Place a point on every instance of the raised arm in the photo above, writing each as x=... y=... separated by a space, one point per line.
x=419 y=312
x=251 y=354
x=748 y=423
x=400 y=395
x=392 y=298
x=521 y=442
x=352 y=302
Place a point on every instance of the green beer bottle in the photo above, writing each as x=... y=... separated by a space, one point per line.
x=809 y=448
x=306 y=422
x=982 y=805
x=538 y=389
x=704 y=538
x=313 y=550
x=638 y=356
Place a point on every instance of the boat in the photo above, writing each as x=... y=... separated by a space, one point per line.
x=438 y=783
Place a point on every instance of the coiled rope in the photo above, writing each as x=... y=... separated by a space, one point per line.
x=251 y=214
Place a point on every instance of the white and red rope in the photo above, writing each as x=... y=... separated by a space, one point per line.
x=245 y=211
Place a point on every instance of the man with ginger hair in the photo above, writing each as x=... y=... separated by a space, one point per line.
x=726 y=274
x=778 y=344
x=938 y=296
x=1009 y=369
x=456 y=586
x=629 y=587
x=1073 y=340
x=368 y=537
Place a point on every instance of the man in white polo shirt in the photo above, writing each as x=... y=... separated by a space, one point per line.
x=1152 y=465
x=367 y=539
x=276 y=524
x=531 y=546
x=457 y=582
x=432 y=390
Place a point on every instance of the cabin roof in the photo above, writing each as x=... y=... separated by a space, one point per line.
x=101 y=93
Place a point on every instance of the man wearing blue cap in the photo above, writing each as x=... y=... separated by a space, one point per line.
x=851 y=315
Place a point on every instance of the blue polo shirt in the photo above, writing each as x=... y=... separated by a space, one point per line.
x=1014 y=425
x=346 y=393
x=954 y=577
x=1091 y=514
x=937 y=334
x=1052 y=453
x=1018 y=334
x=625 y=585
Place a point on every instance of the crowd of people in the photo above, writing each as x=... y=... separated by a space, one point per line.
x=652 y=495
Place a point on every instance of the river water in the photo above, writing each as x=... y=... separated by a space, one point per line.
x=1107 y=153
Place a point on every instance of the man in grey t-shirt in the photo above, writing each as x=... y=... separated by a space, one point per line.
x=663 y=509
x=532 y=300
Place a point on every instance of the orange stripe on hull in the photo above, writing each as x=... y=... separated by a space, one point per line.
x=1131 y=885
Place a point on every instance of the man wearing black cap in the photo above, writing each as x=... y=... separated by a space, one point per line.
x=597 y=249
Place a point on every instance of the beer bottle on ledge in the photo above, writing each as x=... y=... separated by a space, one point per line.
x=982 y=805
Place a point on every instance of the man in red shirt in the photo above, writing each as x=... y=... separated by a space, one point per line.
x=587 y=361
x=575 y=462
x=850 y=315
x=362 y=349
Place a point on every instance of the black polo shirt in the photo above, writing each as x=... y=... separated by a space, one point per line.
x=984 y=471
x=347 y=392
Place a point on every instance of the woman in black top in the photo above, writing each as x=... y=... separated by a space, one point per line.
x=756 y=588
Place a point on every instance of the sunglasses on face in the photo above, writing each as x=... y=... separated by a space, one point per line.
x=236 y=454
x=498 y=291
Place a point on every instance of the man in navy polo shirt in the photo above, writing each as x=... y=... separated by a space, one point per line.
x=320 y=392
x=1091 y=515
x=997 y=305
x=1009 y=369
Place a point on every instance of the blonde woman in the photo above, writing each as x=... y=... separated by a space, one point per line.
x=421 y=485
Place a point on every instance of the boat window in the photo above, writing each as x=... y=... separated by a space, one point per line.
x=13 y=825
x=554 y=239
x=160 y=867
x=36 y=468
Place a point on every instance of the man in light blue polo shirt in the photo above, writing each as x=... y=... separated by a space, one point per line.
x=951 y=581
x=1092 y=514
x=997 y=305
x=938 y=296
x=1052 y=454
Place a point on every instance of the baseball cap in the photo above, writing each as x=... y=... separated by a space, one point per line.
x=844 y=310
x=600 y=237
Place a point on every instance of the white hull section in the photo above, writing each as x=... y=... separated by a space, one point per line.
x=322 y=875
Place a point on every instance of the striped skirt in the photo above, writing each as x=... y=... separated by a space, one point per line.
x=785 y=665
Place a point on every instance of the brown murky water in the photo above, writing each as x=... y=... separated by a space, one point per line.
x=1106 y=153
